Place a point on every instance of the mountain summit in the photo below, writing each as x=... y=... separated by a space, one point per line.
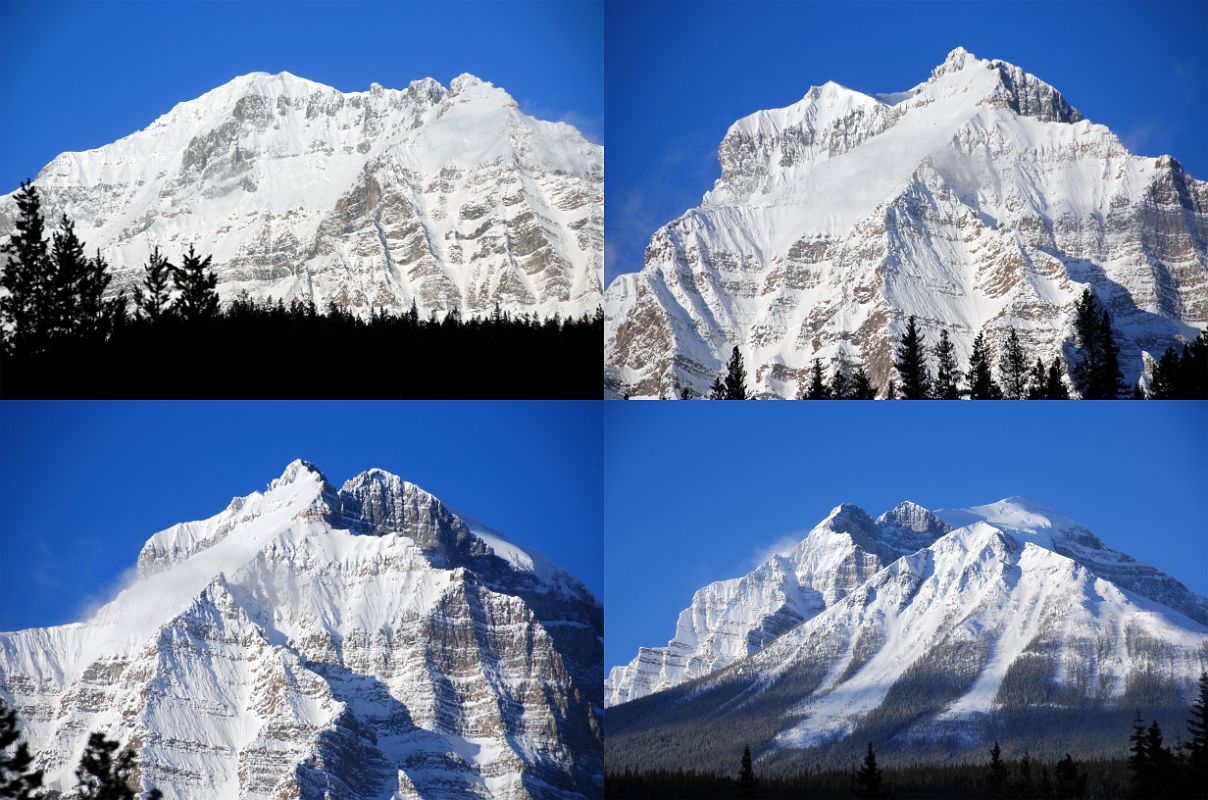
x=978 y=200
x=366 y=642
x=451 y=198
x=930 y=633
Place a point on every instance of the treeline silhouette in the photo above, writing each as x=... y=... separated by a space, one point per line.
x=104 y=773
x=63 y=334
x=1152 y=771
x=1180 y=373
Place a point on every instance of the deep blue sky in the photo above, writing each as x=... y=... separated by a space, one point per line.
x=678 y=74
x=83 y=485
x=75 y=76
x=694 y=492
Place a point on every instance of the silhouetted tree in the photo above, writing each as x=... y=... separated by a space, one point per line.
x=947 y=375
x=197 y=297
x=686 y=393
x=17 y=779
x=981 y=382
x=840 y=382
x=1097 y=370
x=1013 y=367
x=718 y=390
x=1070 y=783
x=24 y=278
x=995 y=782
x=911 y=363
x=152 y=296
x=1196 y=748
x=868 y=778
x=1054 y=388
x=891 y=390
x=818 y=390
x=861 y=386
x=1037 y=381
x=746 y=776
x=736 y=377
x=104 y=776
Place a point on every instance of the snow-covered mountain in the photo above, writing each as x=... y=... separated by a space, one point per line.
x=977 y=200
x=929 y=633
x=449 y=197
x=365 y=642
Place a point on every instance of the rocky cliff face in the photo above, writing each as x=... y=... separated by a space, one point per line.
x=1011 y=623
x=315 y=642
x=978 y=200
x=451 y=198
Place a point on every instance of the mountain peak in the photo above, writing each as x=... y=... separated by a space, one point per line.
x=296 y=469
x=955 y=61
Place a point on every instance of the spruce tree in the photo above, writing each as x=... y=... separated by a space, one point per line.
x=911 y=363
x=1087 y=369
x=981 y=383
x=861 y=386
x=718 y=390
x=746 y=776
x=736 y=377
x=17 y=779
x=1054 y=388
x=947 y=375
x=1139 y=762
x=686 y=393
x=1070 y=781
x=891 y=390
x=840 y=382
x=1193 y=369
x=68 y=268
x=1038 y=382
x=868 y=778
x=23 y=278
x=103 y=776
x=994 y=783
x=1161 y=761
x=196 y=284
x=818 y=390
x=152 y=296
x=1113 y=381
x=1024 y=788
x=1013 y=368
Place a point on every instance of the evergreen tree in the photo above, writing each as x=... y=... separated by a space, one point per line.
x=911 y=363
x=1161 y=762
x=17 y=780
x=868 y=778
x=1193 y=369
x=1054 y=388
x=1038 y=387
x=818 y=389
x=152 y=296
x=736 y=377
x=947 y=375
x=995 y=784
x=746 y=776
x=840 y=382
x=1139 y=762
x=68 y=270
x=861 y=387
x=1113 y=381
x=891 y=390
x=686 y=393
x=1070 y=781
x=104 y=776
x=23 y=278
x=1196 y=749
x=196 y=283
x=1025 y=788
x=981 y=383
x=718 y=390
x=1097 y=371
x=1013 y=368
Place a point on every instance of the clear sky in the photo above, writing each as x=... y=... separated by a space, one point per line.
x=75 y=76
x=697 y=492
x=83 y=485
x=678 y=74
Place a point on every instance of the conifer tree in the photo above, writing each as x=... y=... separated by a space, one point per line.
x=24 y=277
x=1055 y=387
x=911 y=363
x=68 y=269
x=868 y=778
x=1037 y=381
x=686 y=393
x=994 y=783
x=947 y=376
x=103 y=776
x=17 y=779
x=1193 y=369
x=746 y=776
x=981 y=382
x=196 y=283
x=1097 y=371
x=861 y=386
x=1139 y=762
x=891 y=390
x=718 y=390
x=736 y=377
x=152 y=296
x=1196 y=749
x=1070 y=783
x=1113 y=381
x=818 y=390
x=1024 y=788
x=1013 y=368
x=840 y=382
x=1161 y=761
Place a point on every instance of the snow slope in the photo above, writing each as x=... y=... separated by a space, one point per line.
x=451 y=198
x=359 y=641
x=978 y=200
